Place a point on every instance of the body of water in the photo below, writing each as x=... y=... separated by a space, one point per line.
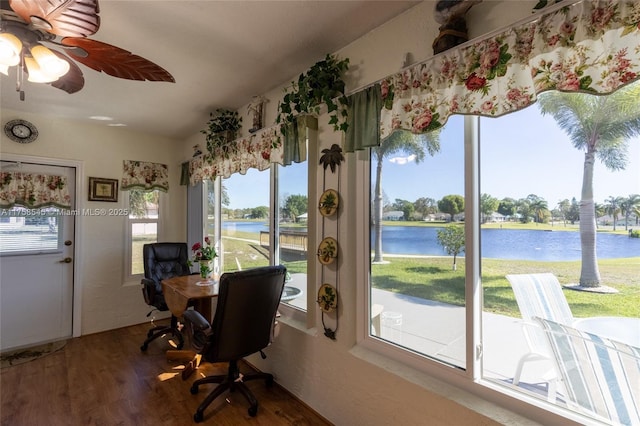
x=495 y=243
x=510 y=244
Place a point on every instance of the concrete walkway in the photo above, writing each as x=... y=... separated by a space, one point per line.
x=438 y=330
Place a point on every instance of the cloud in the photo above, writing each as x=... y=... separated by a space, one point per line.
x=403 y=160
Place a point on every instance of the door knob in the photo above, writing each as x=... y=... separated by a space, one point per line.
x=65 y=260
x=68 y=243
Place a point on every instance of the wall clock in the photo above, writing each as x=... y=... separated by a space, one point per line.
x=21 y=131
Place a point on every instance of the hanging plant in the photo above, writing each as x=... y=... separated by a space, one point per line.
x=322 y=84
x=222 y=127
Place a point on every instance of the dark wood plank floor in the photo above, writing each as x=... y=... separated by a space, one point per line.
x=104 y=379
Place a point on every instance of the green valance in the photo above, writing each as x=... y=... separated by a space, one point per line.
x=363 y=110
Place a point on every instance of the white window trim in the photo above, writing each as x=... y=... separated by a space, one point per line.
x=131 y=279
x=463 y=386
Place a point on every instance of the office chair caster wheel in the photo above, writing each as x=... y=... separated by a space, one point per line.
x=198 y=417
x=143 y=347
x=149 y=333
x=253 y=410
x=193 y=390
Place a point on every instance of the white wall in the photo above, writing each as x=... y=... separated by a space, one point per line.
x=107 y=301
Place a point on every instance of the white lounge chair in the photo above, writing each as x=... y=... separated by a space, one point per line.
x=539 y=295
x=601 y=376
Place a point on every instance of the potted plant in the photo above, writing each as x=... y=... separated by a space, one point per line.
x=222 y=127
x=322 y=84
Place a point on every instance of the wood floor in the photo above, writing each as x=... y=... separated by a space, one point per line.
x=104 y=379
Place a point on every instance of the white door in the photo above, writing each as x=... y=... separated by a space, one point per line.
x=36 y=268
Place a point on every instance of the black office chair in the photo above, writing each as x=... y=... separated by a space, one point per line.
x=242 y=325
x=162 y=261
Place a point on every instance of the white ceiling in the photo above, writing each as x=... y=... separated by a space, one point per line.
x=220 y=53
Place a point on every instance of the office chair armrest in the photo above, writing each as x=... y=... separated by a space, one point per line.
x=198 y=328
x=149 y=290
x=198 y=322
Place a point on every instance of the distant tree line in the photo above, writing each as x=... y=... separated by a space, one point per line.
x=533 y=208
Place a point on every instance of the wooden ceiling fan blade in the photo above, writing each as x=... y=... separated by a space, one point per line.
x=115 y=61
x=66 y=18
x=73 y=80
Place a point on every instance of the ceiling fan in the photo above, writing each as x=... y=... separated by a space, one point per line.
x=26 y=26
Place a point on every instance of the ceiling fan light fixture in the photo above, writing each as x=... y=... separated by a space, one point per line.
x=10 y=48
x=36 y=74
x=48 y=62
x=4 y=69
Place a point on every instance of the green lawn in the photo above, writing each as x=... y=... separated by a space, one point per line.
x=137 y=265
x=434 y=279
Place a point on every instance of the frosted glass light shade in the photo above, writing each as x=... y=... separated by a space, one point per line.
x=49 y=63
x=36 y=74
x=10 y=48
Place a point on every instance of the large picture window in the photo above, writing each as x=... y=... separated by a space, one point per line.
x=537 y=189
x=556 y=233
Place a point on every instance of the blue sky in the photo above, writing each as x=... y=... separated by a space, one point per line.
x=522 y=153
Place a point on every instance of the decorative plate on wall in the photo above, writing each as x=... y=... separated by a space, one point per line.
x=329 y=202
x=327 y=298
x=327 y=250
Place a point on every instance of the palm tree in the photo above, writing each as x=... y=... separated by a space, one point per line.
x=612 y=207
x=601 y=210
x=600 y=126
x=628 y=206
x=564 y=207
x=538 y=207
x=398 y=141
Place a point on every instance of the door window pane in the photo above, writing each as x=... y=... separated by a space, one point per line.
x=27 y=230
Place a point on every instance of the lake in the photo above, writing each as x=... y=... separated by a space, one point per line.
x=495 y=243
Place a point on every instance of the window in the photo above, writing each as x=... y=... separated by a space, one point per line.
x=245 y=220
x=142 y=227
x=413 y=282
x=247 y=231
x=521 y=207
x=29 y=231
x=293 y=209
x=532 y=179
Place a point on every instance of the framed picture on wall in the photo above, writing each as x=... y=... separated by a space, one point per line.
x=101 y=189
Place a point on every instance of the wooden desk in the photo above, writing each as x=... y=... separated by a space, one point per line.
x=179 y=291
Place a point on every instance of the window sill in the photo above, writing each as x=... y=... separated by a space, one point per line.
x=481 y=397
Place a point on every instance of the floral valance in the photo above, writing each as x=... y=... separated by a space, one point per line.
x=144 y=175
x=33 y=190
x=590 y=46
x=257 y=151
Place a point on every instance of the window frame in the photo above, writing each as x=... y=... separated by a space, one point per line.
x=293 y=315
x=129 y=222
x=408 y=363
